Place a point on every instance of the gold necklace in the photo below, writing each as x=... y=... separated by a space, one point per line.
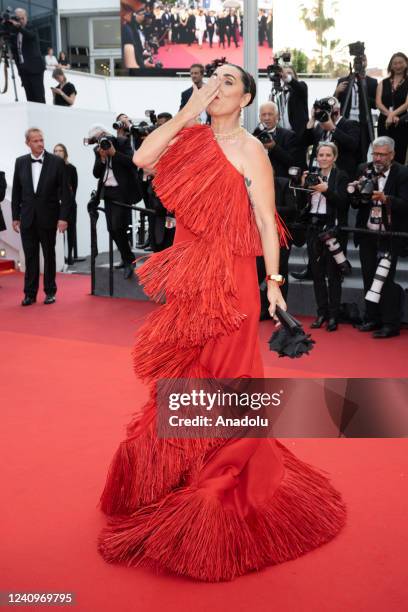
x=230 y=135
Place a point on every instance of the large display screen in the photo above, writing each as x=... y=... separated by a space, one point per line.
x=175 y=35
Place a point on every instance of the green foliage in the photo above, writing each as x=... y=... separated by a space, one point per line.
x=299 y=60
x=316 y=20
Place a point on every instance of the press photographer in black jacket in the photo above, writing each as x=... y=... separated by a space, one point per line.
x=286 y=207
x=28 y=57
x=386 y=209
x=117 y=183
x=280 y=144
x=330 y=126
x=325 y=207
x=355 y=108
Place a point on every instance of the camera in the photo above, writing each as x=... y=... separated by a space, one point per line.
x=120 y=125
x=143 y=128
x=274 y=71
x=6 y=27
x=357 y=50
x=329 y=237
x=312 y=179
x=366 y=186
x=323 y=109
x=383 y=269
x=263 y=134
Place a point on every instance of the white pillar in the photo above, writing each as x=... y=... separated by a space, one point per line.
x=251 y=56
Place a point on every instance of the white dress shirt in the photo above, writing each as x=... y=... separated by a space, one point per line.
x=109 y=180
x=36 y=169
x=318 y=205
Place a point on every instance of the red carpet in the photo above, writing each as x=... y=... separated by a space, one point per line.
x=182 y=56
x=67 y=391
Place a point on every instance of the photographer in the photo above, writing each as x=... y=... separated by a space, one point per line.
x=27 y=55
x=286 y=207
x=3 y=187
x=326 y=124
x=381 y=198
x=136 y=56
x=294 y=111
x=280 y=144
x=114 y=169
x=352 y=101
x=326 y=207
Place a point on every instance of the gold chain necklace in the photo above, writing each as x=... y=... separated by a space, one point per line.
x=230 y=135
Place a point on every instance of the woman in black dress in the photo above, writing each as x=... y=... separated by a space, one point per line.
x=61 y=151
x=392 y=101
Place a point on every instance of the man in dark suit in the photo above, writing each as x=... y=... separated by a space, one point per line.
x=211 y=21
x=41 y=203
x=281 y=145
x=232 y=27
x=27 y=54
x=343 y=132
x=197 y=76
x=355 y=107
x=3 y=187
x=286 y=207
x=117 y=183
x=387 y=210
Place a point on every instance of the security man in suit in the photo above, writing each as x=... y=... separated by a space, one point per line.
x=387 y=210
x=28 y=57
x=281 y=146
x=197 y=76
x=41 y=202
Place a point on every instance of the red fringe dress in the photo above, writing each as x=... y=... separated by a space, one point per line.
x=209 y=509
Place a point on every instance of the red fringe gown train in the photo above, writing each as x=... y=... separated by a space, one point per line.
x=209 y=509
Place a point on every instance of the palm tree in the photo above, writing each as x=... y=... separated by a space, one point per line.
x=316 y=21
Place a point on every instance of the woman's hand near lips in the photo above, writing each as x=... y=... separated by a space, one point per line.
x=202 y=98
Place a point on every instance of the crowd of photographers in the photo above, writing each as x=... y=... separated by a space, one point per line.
x=343 y=171
x=333 y=170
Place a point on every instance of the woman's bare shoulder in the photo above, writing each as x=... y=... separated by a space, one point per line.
x=252 y=147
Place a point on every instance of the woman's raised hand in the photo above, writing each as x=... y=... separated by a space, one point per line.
x=201 y=98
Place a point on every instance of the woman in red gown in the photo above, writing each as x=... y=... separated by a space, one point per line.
x=211 y=509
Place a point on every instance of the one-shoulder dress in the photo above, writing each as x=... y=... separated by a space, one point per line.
x=209 y=509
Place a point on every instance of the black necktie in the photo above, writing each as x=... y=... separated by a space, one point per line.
x=33 y=161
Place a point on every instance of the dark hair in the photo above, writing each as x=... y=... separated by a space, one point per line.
x=399 y=54
x=120 y=115
x=64 y=148
x=166 y=116
x=248 y=82
x=200 y=66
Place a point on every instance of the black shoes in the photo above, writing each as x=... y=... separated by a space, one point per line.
x=317 y=323
x=128 y=270
x=369 y=326
x=49 y=299
x=386 y=332
x=331 y=324
x=28 y=301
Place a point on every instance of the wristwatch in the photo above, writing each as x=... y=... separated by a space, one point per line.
x=278 y=278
